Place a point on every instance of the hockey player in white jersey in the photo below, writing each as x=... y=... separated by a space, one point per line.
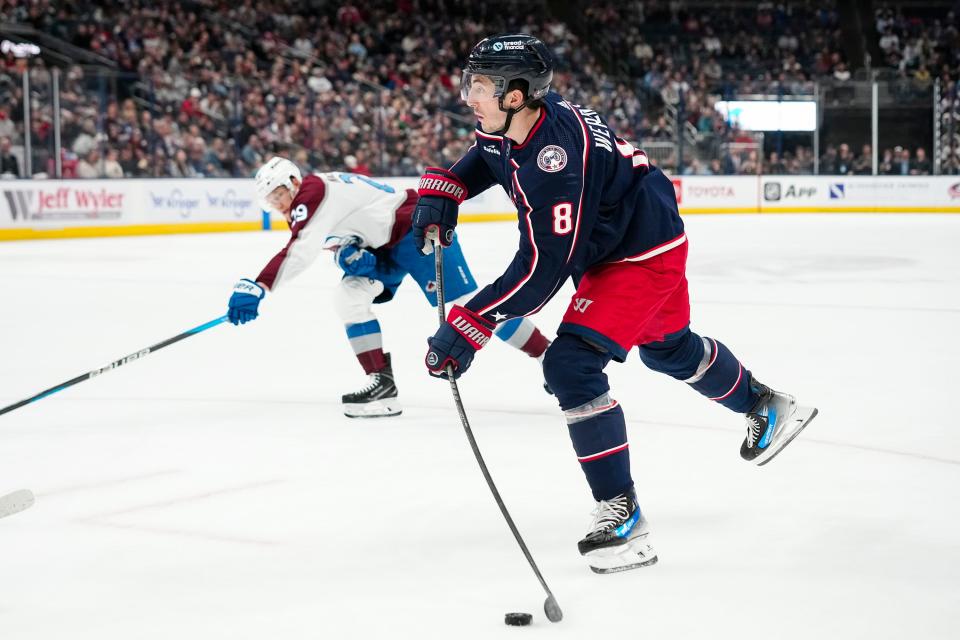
x=367 y=226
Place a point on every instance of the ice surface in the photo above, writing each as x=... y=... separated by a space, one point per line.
x=214 y=490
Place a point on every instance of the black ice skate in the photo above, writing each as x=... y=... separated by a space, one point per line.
x=772 y=424
x=377 y=400
x=618 y=539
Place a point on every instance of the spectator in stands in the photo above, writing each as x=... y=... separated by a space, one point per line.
x=902 y=165
x=111 y=165
x=253 y=152
x=886 y=165
x=921 y=165
x=90 y=166
x=828 y=161
x=889 y=42
x=863 y=165
x=9 y=166
x=694 y=168
x=751 y=164
x=86 y=139
x=845 y=161
x=180 y=166
x=775 y=165
x=128 y=161
x=7 y=128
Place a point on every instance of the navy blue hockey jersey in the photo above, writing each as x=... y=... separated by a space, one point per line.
x=584 y=197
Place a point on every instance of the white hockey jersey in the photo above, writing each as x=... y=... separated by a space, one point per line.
x=328 y=209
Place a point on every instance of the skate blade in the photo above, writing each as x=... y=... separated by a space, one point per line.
x=375 y=409
x=798 y=421
x=632 y=555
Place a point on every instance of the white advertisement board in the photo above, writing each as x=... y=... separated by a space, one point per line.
x=57 y=204
x=860 y=194
x=71 y=208
x=716 y=194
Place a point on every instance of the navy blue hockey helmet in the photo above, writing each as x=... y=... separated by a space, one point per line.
x=515 y=56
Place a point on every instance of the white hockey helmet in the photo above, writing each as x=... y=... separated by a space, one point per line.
x=277 y=172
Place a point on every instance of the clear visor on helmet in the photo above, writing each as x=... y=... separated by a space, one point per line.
x=477 y=87
x=274 y=198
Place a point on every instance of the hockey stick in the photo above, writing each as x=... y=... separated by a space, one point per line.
x=113 y=365
x=550 y=606
x=15 y=502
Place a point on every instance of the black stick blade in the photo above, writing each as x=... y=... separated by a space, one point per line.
x=552 y=609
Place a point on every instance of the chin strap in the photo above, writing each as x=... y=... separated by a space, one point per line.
x=510 y=113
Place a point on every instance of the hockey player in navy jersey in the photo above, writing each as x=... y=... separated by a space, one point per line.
x=366 y=225
x=591 y=207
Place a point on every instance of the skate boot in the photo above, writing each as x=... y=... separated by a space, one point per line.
x=377 y=400
x=772 y=424
x=618 y=539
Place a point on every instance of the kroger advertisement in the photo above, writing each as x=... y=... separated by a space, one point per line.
x=72 y=208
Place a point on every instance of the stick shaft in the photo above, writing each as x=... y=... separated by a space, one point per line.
x=441 y=312
x=113 y=365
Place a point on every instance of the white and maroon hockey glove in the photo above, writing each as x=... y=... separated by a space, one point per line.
x=441 y=193
x=455 y=343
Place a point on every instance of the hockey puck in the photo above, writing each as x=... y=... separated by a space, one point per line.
x=517 y=619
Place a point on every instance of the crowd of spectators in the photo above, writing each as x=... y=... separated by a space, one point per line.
x=921 y=44
x=207 y=89
x=371 y=88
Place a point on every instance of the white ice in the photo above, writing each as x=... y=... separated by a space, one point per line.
x=215 y=491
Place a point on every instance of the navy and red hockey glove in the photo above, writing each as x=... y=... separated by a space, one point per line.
x=441 y=193
x=455 y=343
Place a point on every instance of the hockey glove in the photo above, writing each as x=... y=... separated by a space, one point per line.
x=441 y=193
x=454 y=343
x=243 y=304
x=355 y=260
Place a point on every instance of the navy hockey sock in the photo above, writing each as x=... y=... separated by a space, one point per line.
x=599 y=435
x=705 y=364
x=724 y=379
x=574 y=370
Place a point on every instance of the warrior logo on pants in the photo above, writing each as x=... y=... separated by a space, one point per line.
x=581 y=304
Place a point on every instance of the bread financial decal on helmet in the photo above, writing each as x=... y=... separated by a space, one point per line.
x=508 y=57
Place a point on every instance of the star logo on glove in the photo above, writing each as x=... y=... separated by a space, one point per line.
x=497 y=317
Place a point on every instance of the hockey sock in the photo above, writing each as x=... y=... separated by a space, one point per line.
x=599 y=435
x=522 y=334
x=367 y=343
x=721 y=378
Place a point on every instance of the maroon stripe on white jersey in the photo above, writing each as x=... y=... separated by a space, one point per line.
x=403 y=219
x=302 y=209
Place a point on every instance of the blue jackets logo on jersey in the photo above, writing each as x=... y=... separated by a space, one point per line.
x=552 y=158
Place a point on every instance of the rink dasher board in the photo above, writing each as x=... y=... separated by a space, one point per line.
x=47 y=209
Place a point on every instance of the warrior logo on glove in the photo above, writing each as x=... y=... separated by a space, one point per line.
x=456 y=342
x=441 y=187
x=470 y=332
